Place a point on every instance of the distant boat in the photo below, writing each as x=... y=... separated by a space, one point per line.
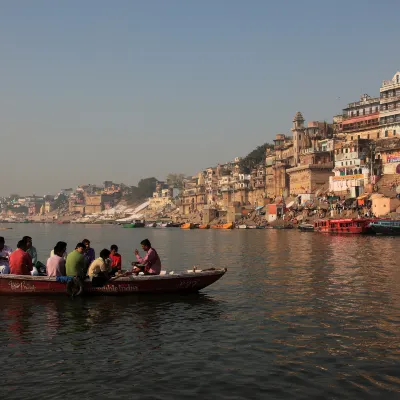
x=344 y=226
x=134 y=225
x=151 y=225
x=222 y=226
x=386 y=227
x=173 y=225
x=306 y=227
x=187 y=226
x=204 y=226
x=243 y=227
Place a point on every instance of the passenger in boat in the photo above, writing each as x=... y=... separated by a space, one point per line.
x=55 y=265
x=89 y=253
x=116 y=259
x=20 y=260
x=75 y=264
x=101 y=266
x=30 y=249
x=5 y=253
x=63 y=244
x=151 y=261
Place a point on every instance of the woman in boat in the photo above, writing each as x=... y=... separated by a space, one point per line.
x=89 y=253
x=101 y=266
x=150 y=264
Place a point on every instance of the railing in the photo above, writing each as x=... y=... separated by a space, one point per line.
x=388 y=99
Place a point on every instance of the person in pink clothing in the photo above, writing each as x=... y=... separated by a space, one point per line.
x=151 y=261
x=56 y=263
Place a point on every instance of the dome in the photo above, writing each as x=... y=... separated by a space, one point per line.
x=298 y=117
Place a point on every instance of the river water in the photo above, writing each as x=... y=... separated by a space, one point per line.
x=298 y=315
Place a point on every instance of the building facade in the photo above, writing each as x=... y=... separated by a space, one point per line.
x=389 y=115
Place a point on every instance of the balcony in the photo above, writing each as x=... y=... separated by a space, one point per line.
x=389 y=99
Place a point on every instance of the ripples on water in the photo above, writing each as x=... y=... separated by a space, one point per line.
x=298 y=315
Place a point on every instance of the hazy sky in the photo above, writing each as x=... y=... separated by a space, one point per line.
x=96 y=90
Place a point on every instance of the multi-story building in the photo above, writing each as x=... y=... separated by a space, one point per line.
x=163 y=196
x=389 y=116
x=194 y=196
x=312 y=165
x=352 y=167
x=387 y=152
x=360 y=119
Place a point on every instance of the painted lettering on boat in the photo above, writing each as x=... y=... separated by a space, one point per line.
x=114 y=288
x=187 y=284
x=22 y=286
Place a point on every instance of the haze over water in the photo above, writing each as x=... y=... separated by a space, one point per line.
x=298 y=315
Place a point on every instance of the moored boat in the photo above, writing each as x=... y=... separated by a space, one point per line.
x=222 y=226
x=386 y=227
x=306 y=227
x=187 y=281
x=204 y=226
x=187 y=226
x=242 y=226
x=134 y=225
x=344 y=226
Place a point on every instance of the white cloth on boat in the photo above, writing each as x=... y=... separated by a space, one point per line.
x=4 y=264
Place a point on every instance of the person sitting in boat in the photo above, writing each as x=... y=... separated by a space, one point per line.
x=75 y=264
x=116 y=259
x=5 y=253
x=55 y=265
x=20 y=260
x=101 y=266
x=89 y=253
x=30 y=249
x=62 y=244
x=150 y=264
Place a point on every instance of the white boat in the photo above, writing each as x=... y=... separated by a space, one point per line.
x=242 y=227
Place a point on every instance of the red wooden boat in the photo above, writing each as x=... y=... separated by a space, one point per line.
x=189 y=281
x=346 y=226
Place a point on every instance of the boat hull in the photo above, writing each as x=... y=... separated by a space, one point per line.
x=222 y=226
x=387 y=228
x=183 y=282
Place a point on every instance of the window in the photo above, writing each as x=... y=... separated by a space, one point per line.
x=359 y=137
x=370 y=110
x=352 y=113
x=386 y=133
x=376 y=109
x=368 y=136
x=347 y=150
x=358 y=113
x=377 y=135
x=352 y=138
x=342 y=163
x=394 y=132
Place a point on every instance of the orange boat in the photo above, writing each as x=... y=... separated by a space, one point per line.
x=187 y=226
x=222 y=226
x=204 y=226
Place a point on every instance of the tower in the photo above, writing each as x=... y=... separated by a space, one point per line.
x=298 y=134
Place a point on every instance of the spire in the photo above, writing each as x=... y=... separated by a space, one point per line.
x=298 y=117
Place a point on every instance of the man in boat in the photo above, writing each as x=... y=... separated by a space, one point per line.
x=101 y=265
x=30 y=249
x=150 y=263
x=76 y=264
x=20 y=260
x=89 y=253
x=116 y=259
x=56 y=263
x=5 y=253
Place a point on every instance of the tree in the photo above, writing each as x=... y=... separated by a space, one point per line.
x=142 y=191
x=255 y=157
x=175 y=180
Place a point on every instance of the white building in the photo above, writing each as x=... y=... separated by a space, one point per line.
x=351 y=168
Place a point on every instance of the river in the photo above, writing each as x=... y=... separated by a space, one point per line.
x=298 y=315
